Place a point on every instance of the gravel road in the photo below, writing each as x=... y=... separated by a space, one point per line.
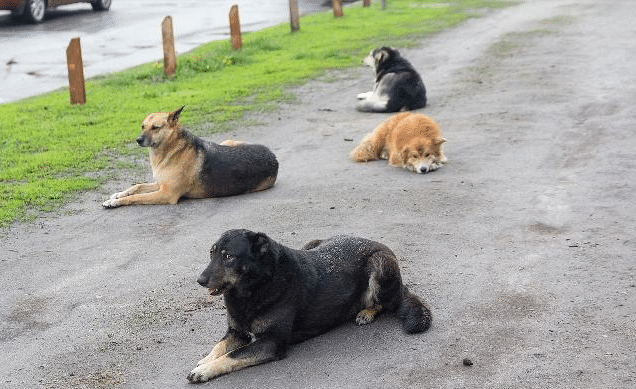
x=523 y=243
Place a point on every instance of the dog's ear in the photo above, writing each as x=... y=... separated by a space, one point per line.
x=382 y=55
x=440 y=140
x=260 y=243
x=173 y=118
x=404 y=154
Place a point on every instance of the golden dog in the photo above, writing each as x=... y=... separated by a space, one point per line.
x=184 y=165
x=409 y=140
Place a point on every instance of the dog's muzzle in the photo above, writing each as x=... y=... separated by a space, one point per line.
x=203 y=281
x=143 y=141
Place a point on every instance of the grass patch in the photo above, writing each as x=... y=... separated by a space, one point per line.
x=50 y=149
x=559 y=20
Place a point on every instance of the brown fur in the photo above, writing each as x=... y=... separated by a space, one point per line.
x=231 y=142
x=224 y=364
x=177 y=160
x=409 y=140
x=226 y=345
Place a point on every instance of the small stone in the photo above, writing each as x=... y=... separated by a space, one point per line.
x=467 y=362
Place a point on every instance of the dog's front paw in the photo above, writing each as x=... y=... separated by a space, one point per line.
x=111 y=203
x=200 y=374
x=365 y=95
x=118 y=195
x=435 y=166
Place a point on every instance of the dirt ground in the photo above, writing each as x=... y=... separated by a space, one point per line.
x=523 y=244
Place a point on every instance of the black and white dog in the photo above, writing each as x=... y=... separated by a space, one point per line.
x=398 y=86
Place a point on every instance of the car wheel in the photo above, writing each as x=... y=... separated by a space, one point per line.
x=101 y=5
x=34 y=11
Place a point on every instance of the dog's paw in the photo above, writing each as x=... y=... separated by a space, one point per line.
x=365 y=316
x=435 y=166
x=199 y=374
x=118 y=195
x=365 y=95
x=110 y=203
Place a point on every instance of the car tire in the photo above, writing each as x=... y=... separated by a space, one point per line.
x=101 y=5
x=34 y=11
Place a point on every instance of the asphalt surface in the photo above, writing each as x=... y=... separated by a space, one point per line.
x=522 y=244
x=33 y=57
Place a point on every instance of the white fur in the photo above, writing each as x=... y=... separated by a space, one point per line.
x=110 y=203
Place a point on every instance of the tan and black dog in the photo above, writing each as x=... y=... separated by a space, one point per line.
x=277 y=296
x=184 y=165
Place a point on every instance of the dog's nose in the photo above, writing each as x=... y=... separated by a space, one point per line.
x=140 y=141
x=424 y=169
x=202 y=280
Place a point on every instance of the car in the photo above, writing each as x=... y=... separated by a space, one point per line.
x=33 y=11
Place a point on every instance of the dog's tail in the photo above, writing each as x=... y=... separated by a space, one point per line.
x=367 y=150
x=415 y=315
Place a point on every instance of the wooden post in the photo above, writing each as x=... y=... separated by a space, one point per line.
x=235 y=28
x=337 y=8
x=366 y=3
x=76 y=85
x=169 y=57
x=293 y=14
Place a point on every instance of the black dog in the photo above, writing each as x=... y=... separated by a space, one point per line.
x=398 y=86
x=276 y=296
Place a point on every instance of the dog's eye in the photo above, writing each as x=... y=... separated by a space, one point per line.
x=226 y=256
x=155 y=127
x=427 y=155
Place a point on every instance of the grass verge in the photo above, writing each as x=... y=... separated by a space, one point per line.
x=50 y=149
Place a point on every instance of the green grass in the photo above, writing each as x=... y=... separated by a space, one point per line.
x=50 y=149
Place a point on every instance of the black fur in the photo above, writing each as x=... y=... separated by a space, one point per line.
x=230 y=170
x=279 y=296
x=397 y=82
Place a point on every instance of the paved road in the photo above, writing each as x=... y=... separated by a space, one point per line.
x=33 y=58
x=523 y=243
